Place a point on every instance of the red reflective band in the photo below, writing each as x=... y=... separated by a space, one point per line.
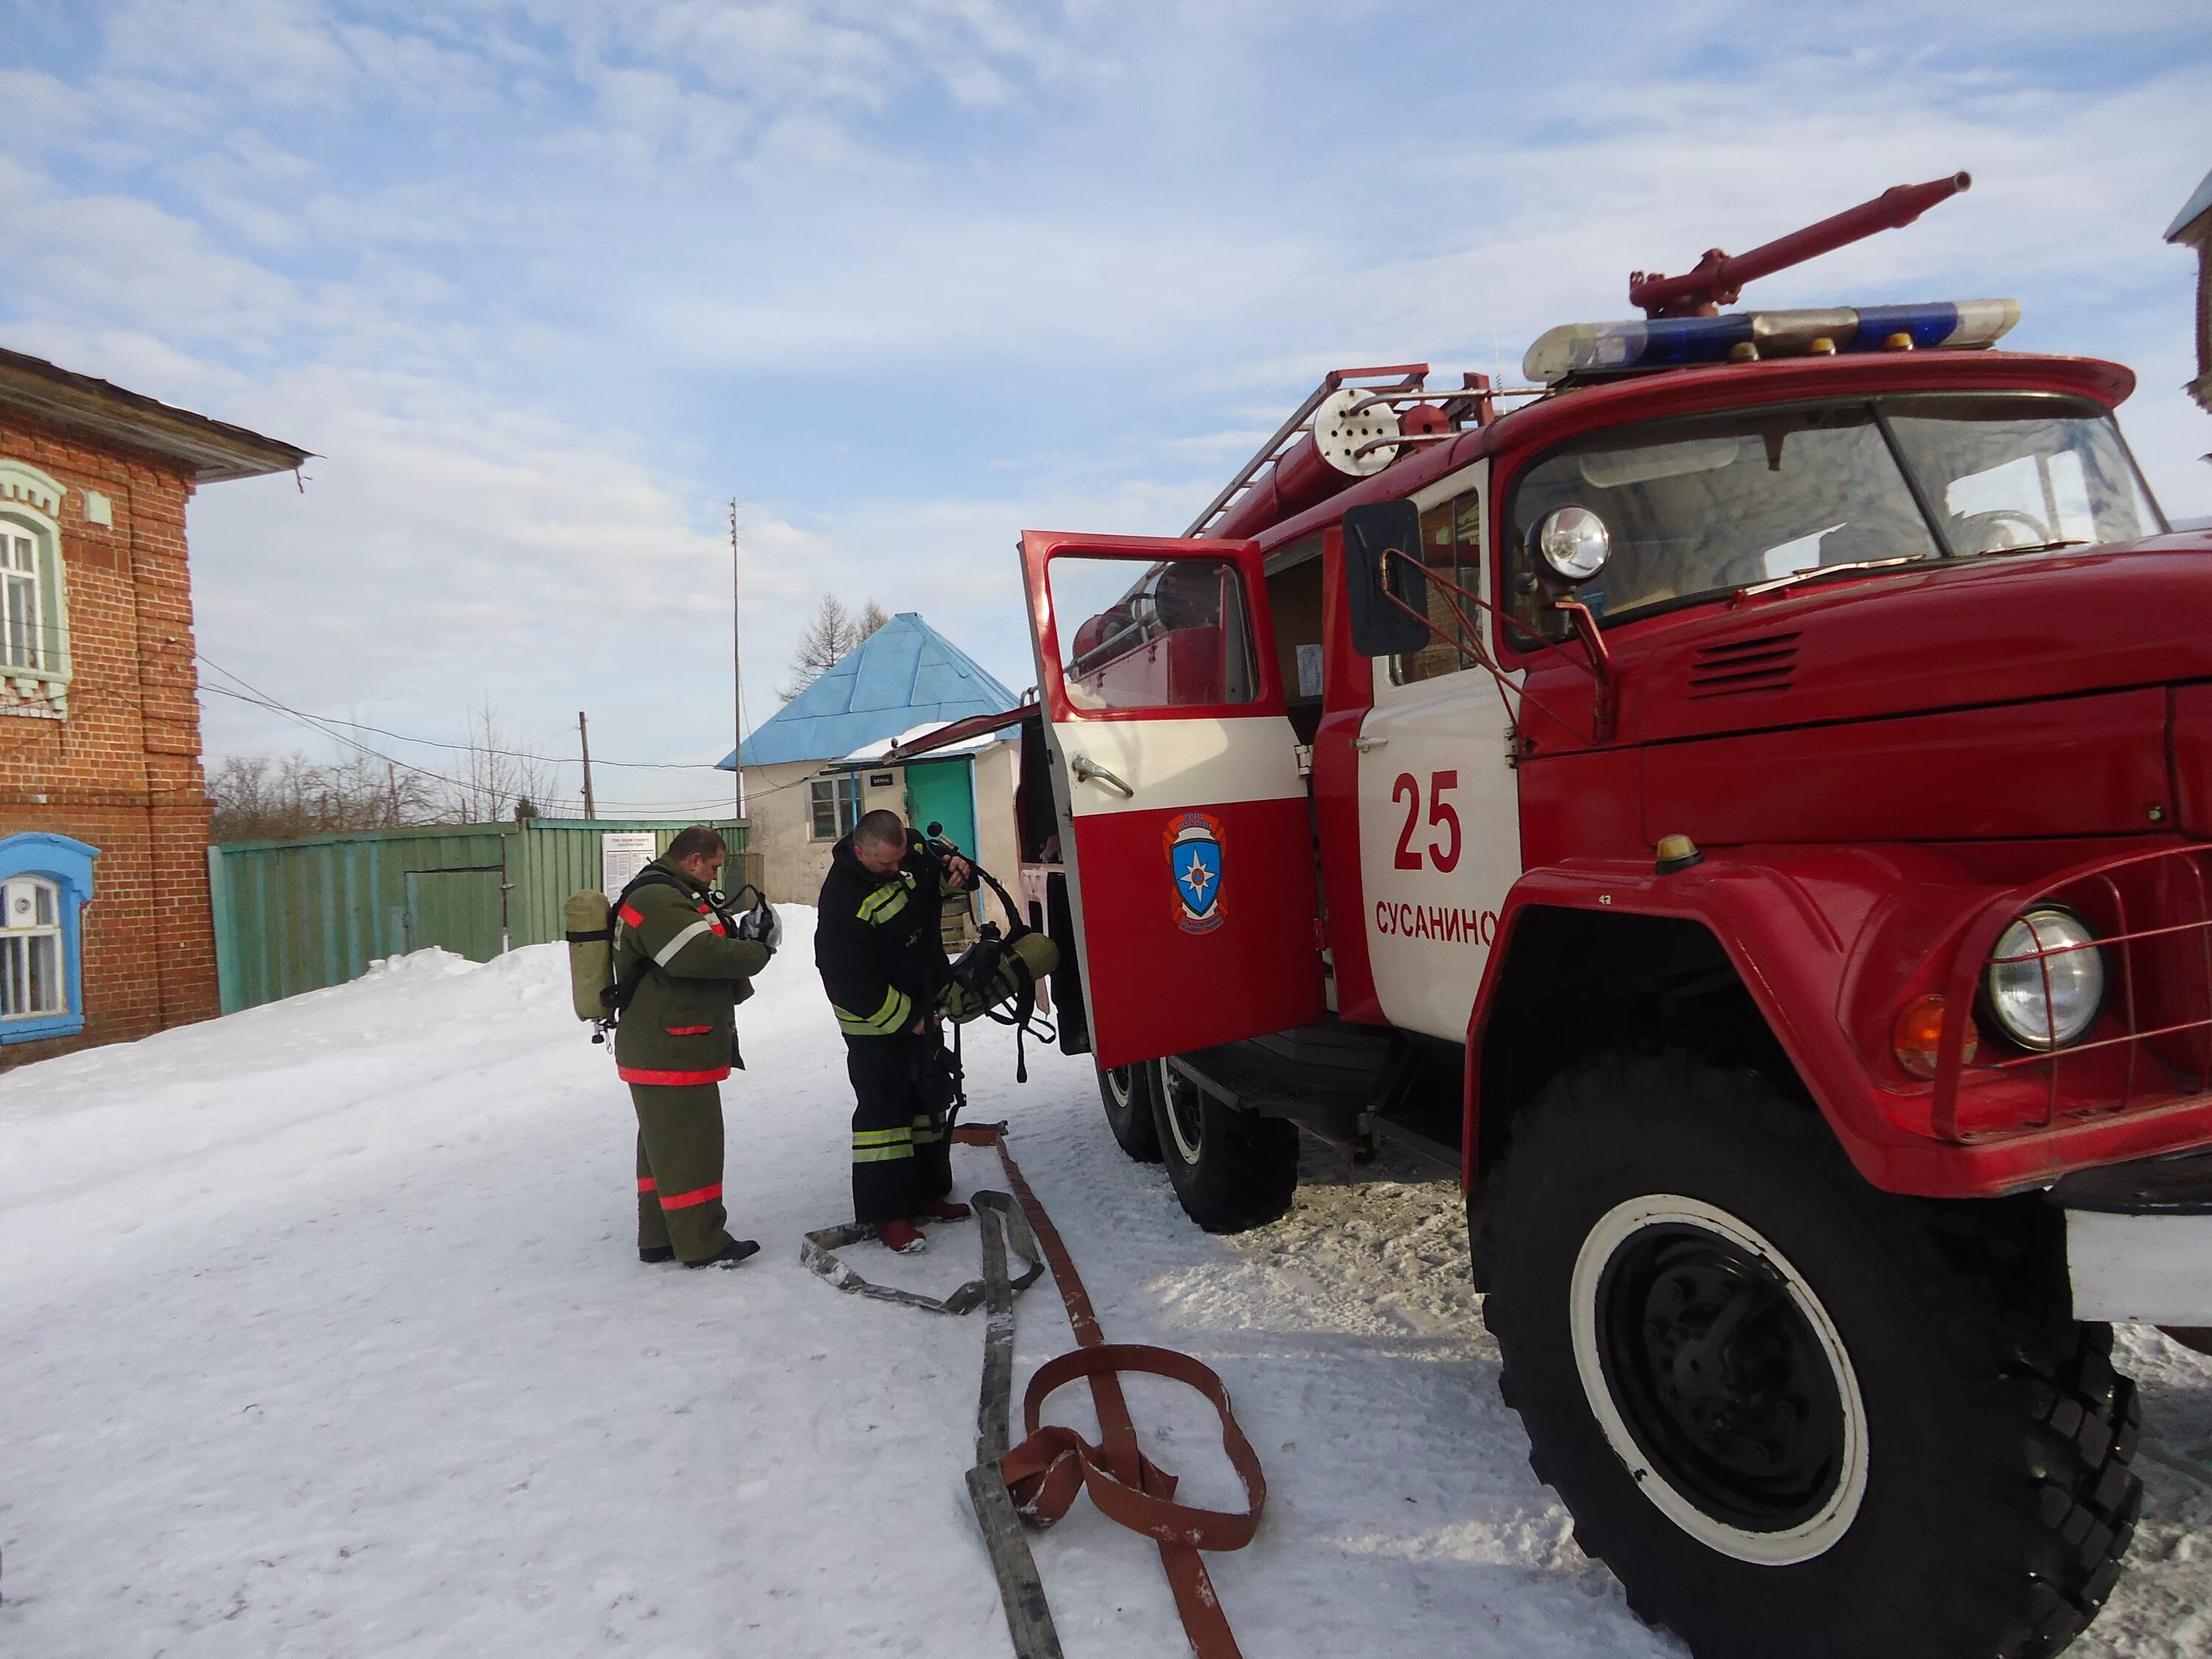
x=645 y=1184
x=717 y=927
x=631 y=916
x=671 y=1079
x=688 y=1030
x=685 y=1201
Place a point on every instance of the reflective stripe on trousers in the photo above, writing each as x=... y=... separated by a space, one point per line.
x=882 y=1146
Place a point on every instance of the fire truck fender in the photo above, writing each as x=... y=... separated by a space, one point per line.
x=1824 y=940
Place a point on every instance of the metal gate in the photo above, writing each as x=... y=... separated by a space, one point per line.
x=463 y=910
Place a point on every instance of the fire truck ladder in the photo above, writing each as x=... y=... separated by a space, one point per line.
x=1408 y=382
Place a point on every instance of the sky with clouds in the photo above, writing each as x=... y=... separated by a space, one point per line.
x=546 y=283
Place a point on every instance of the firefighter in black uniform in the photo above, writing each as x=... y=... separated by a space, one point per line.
x=882 y=961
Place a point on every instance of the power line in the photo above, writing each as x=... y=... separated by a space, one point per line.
x=308 y=721
x=322 y=727
x=271 y=703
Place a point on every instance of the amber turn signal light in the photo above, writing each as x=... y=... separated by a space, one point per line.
x=1919 y=1035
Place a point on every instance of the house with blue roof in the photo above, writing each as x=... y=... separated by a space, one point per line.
x=815 y=765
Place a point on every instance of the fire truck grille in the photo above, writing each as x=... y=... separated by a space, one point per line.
x=2151 y=1046
x=1740 y=667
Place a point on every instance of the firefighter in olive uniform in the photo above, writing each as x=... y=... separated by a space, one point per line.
x=882 y=961
x=692 y=964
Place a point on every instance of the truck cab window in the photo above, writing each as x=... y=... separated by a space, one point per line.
x=1451 y=546
x=1171 y=635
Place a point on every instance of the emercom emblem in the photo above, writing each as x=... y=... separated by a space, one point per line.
x=1194 y=849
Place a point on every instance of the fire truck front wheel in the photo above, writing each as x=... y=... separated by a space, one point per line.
x=1231 y=1170
x=1125 y=1092
x=1792 y=1413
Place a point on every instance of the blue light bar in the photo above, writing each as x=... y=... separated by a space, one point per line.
x=1674 y=342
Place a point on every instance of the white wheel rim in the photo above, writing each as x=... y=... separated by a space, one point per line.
x=1812 y=1537
x=1117 y=1085
x=1169 y=1087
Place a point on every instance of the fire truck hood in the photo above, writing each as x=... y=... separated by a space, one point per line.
x=1995 y=630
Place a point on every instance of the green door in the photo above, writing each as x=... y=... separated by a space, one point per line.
x=940 y=792
x=460 y=910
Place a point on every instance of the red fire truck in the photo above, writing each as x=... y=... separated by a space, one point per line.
x=1748 y=809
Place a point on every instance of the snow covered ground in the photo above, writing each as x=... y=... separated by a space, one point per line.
x=323 y=1335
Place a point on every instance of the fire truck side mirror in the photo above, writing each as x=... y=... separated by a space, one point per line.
x=1381 y=554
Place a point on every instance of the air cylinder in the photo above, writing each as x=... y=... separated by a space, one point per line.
x=590 y=931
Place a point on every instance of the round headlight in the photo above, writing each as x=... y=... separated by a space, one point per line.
x=2046 y=980
x=1574 y=541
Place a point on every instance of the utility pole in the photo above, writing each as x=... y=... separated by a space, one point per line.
x=737 y=668
x=584 y=734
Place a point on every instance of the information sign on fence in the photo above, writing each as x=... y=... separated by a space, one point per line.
x=622 y=853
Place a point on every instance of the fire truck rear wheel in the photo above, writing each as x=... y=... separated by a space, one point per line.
x=1127 y=1093
x=1231 y=1170
x=1794 y=1414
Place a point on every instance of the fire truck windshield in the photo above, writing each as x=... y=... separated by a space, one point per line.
x=1703 y=506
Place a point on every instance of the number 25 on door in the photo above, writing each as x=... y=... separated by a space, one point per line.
x=1442 y=850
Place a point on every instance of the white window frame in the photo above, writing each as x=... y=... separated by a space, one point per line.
x=30 y=502
x=30 y=916
x=23 y=646
x=841 y=792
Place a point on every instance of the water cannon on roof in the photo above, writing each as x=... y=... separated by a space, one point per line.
x=1683 y=323
x=1719 y=278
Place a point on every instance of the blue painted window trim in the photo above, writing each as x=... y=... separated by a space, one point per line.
x=68 y=864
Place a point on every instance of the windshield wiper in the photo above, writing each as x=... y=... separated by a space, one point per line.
x=1817 y=572
x=2034 y=547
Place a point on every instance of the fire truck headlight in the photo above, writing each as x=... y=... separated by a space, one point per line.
x=1574 y=543
x=2045 y=986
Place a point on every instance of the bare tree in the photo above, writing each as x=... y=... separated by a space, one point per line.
x=833 y=634
x=493 y=777
x=277 y=798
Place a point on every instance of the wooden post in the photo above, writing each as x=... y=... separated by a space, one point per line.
x=737 y=672
x=584 y=736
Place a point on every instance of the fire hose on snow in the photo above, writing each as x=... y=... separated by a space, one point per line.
x=1037 y=1482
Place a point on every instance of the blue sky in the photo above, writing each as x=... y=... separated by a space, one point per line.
x=546 y=282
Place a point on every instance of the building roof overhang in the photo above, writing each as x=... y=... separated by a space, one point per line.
x=2199 y=206
x=211 y=450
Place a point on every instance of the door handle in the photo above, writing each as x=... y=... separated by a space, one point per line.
x=1085 y=772
x=1363 y=743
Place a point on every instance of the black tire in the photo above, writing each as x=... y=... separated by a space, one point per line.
x=1989 y=1438
x=1125 y=1092
x=1231 y=1170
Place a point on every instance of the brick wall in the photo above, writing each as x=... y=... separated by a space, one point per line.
x=122 y=772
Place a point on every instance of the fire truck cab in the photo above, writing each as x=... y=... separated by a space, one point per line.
x=1747 y=810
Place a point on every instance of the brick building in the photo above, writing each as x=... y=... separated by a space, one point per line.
x=104 y=932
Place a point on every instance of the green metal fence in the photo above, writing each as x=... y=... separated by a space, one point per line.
x=297 y=915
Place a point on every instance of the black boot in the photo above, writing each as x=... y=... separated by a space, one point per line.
x=729 y=1255
x=656 y=1253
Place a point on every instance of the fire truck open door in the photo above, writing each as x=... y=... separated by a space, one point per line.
x=1184 y=820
